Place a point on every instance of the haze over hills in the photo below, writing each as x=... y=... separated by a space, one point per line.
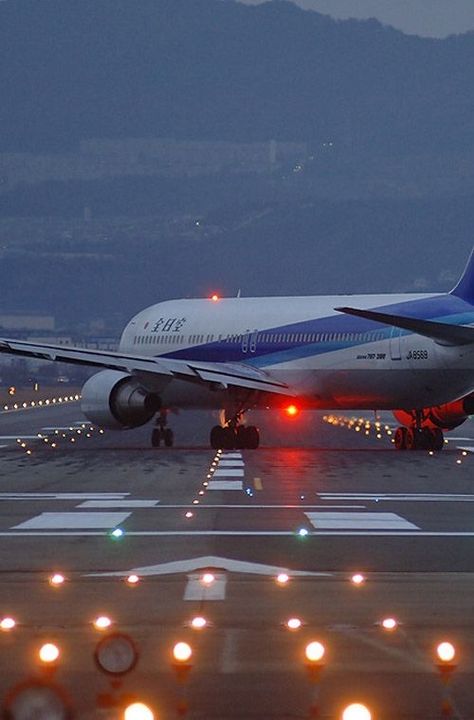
x=375 y=192
x=207 y=69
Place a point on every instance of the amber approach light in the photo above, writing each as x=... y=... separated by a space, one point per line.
x=7 y=623
x=446 y=652
x=356 y=711
x=314 y=651
x=182 y=652
x=138 y=711
x=48 y=653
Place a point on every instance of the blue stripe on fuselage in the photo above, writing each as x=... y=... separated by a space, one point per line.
x=443 y=308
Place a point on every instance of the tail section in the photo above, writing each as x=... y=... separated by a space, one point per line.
x=465 y=287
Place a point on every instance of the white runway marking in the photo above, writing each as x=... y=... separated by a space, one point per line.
x=208 y=562
x=231 y=455
x=398 y=497
x=359 y=521
x=72 y=521
x=18 y=437
x=467 y=448
x=62 y=496
x=197 y=591
x=229 y=472
x=231 y=463
x=119 y=503
x=225 y=485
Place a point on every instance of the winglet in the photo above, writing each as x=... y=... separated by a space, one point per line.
x=465 y=287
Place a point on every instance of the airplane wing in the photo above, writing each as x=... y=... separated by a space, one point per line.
x=220 y=373
x=443 y=333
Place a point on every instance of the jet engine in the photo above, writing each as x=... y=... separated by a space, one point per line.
x=116 y=400
x=446 y=417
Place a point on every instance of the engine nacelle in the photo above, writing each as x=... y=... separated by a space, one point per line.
x=116 y=400
x=447 y=416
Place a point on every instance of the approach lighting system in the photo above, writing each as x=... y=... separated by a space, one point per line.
x=314 y=651
x=49 y=653
x=215 y=297
x=182 y=652
x=357 y=579
x=356 y=711
x=389 y=624
x=208 y=578
x=138 y=711
x=293 y=623
x=7 y=624
x=102 y=622
x=132 y=580
x=57 y=580
x=198 y=622
x=116 y=654
x=446 y=652
x=282 y=578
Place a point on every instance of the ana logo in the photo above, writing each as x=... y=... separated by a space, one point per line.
x=146 y=325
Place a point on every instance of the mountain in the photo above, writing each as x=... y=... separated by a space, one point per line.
x=208 y=69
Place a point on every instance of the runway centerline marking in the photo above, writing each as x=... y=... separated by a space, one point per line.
x=359 y=521
x=197 y=591
x=73 y=520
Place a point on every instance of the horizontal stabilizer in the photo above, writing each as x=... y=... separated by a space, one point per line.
x=443 y=333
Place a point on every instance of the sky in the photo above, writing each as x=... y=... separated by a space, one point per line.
x=433 y=18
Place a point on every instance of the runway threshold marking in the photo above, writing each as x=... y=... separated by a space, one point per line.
x=225 y=484
x=359 y=521
x=119 y=503
x=61 y=496
x=73 y=520
x=229 y=472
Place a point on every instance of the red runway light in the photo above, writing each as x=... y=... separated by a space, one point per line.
x=292 y=410
x=214 y=297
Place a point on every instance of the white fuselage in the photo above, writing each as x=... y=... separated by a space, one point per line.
x=330 y=359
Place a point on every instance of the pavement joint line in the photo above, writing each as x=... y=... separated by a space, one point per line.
x=245 y=533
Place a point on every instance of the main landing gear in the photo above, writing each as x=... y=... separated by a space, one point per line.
x=423 y=438
x=161 y=432
x=235 y=436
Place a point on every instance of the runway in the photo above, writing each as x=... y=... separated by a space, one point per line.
x=317 y=501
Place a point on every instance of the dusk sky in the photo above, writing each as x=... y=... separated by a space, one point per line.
x=436 y=18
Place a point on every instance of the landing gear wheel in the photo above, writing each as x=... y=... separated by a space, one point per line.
x=217 y=437
x=414 y=440
x=168 y=437
x=437 y=439
x=228 y=438
x=401 y=438
x=156 y=437
x=252 y=437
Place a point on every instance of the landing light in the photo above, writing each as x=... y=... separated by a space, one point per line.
x=446 y=652
x=102 y=622
x=358 y=579
x=282 y=578
x=314 y=651
x=56 y=580
x=356 y=711
x=198 y=622
x=133 y=579
x=208 y=578
x=293 y=623
x=389 y=623
x=182 y=652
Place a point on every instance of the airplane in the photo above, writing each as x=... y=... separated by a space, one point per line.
x=412 y=354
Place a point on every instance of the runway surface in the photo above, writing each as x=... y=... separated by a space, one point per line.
x=318 y=501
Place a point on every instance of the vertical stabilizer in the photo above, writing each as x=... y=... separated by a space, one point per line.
x=465 y=287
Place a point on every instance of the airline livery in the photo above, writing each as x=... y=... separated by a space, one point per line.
x=412 y=354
